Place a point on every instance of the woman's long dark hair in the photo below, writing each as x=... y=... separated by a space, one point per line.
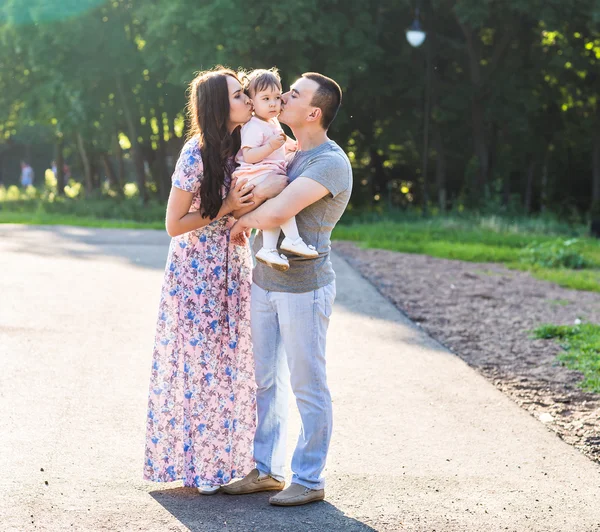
x=208 y=112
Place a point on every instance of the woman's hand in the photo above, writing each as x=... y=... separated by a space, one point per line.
x=239 y=195
x=271 y=186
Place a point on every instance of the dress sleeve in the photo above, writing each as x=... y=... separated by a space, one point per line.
x=189 y=169
x=252 y=135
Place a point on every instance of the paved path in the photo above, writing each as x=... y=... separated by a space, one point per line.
x=421 y=441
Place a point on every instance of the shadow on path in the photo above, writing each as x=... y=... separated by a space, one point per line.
x=145 y=248
x=249 y=513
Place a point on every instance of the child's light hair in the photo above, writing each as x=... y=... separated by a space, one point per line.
x=259 y=80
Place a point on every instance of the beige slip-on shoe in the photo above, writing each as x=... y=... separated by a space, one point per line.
x=252 y=484
x=296 y=495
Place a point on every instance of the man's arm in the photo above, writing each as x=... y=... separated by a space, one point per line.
x=298 y=195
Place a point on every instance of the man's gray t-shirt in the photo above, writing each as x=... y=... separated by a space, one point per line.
x=326 y=164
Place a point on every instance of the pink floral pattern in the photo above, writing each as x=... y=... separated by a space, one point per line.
x=202 y=398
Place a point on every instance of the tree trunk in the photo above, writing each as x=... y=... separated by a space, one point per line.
x=60 y=167
x=110 y=172
x=544 y=191
x=424 y=181
x=378 y=177
x=164 y=183
x=505 y=163
x=137 y=158
x=529 y=186
x=96 y=177
x=440 y=168
x=480 y=144
x=87 y=168
x=477 y=109
x=120 y=165
x=595 y=207
x=479 y=84
x=596 y=172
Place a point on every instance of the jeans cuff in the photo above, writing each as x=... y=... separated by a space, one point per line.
x=276 y=477
x=307 y=484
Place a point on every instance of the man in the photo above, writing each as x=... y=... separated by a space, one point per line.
x=291 y=310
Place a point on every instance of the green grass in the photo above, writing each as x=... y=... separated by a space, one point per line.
x=480 y=239
x=587 y=280
x=582 y=350
x=468 y=237
x=559 y=302
x=82 y=221
x=41 y=207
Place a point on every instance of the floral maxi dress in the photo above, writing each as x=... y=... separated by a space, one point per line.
x=202 y=397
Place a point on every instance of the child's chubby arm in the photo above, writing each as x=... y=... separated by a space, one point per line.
x=255 y=155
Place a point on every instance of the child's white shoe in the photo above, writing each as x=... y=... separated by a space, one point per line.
x=298 y=247
x=272 y=258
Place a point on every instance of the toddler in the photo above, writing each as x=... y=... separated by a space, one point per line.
x=262 y=152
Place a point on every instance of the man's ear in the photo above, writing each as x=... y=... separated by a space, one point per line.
x=315 y=115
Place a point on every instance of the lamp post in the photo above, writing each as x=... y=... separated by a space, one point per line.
x=415 y=34
x=415 y=37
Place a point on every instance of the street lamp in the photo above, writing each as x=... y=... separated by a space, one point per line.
x=416 y=36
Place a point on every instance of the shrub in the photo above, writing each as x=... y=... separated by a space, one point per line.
x=555 y=254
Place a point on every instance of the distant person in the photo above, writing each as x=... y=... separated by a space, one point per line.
x=66 y=171
x=26 y=175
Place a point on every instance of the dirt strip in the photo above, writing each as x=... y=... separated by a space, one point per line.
x=485 y=313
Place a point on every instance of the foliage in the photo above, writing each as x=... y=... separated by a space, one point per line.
x=478 y=239
x=514 y=85
x=581 y=343
x=557 y=254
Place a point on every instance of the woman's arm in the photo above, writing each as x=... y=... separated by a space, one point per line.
x=179 y=220
x=270 y=187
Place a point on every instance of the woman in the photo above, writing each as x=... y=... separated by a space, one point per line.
x=201 y=408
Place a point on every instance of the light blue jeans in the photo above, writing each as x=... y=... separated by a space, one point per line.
x=288 y=333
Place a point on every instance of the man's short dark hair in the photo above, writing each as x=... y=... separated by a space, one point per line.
x=328 y=97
